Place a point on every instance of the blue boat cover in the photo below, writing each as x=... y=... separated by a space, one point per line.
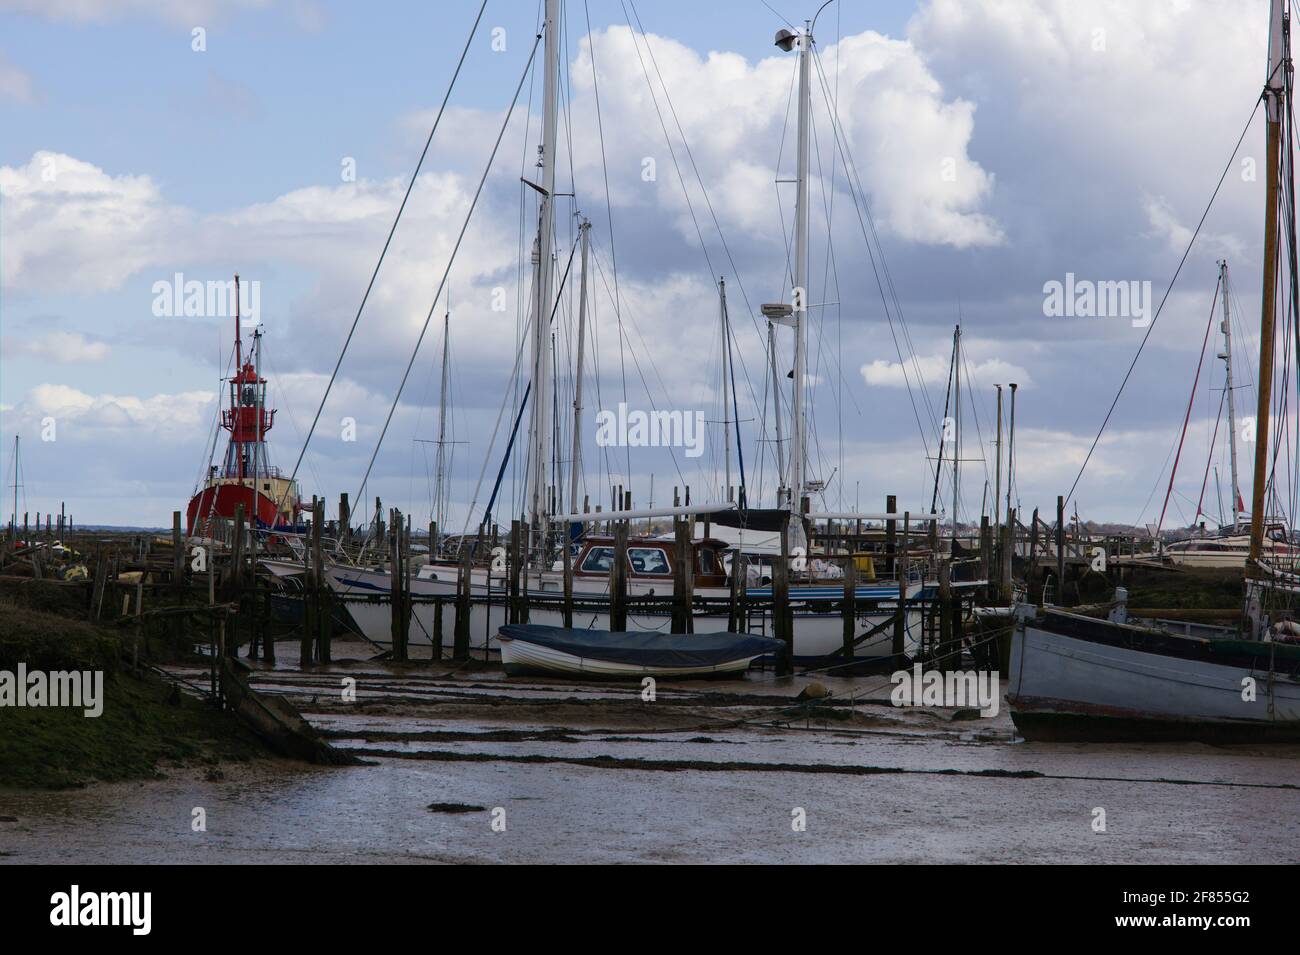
x=641 y=648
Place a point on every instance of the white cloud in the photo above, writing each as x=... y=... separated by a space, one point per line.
x=59 y=346
x=85 y=418
x=72 y=226
x=933 y=370
x=900 y=130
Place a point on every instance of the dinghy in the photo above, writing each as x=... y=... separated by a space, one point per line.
x=532 y=648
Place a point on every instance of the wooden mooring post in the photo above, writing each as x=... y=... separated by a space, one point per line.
x=891 y=536
x=1006 y=590
x=1033 y=592
x=949 y=657
x=849 y=607
x=514 y=609
x=568 y=582
x=460 y=637
x=986 y=549
x=683 y=577
x=899 y=648
x=398 y=585
x=618 y=580
x=324 y=596
x=735 y=615
x=315 y=580
x=1060 y=551
x=782 y=621
x=236 y=581
x=178 y=553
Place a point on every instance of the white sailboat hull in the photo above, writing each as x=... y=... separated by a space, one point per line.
x=1080 y=686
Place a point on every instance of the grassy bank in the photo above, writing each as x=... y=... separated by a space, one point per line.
x=146 y=726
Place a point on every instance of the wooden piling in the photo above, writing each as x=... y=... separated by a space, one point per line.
x=460 y=638
x=315 y=580
x=891 y=536
x=681 y=560
x=236 y=581
x=782 y=621
x=735 y=620
x=899 y=648
x=514 y=611
x=947 y=625
x=618 y=580
x=986 y=549
x=1008 y=551
x=401 y=619
x=849 y=607
x=1060 y=551
x=178 y=552
x=568 y=583
x=1033 y=593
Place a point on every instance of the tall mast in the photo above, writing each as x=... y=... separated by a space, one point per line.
x=956 y=432
x=239 y=367
x=1011 y=453
x=1274 y=92
x=798 y=430
x=540 y=421
x=1232 y=407
x=726 y=391
x=997 y=480
x=14 y=526
x=440 y=476
x=575 y=459
x=259 y=394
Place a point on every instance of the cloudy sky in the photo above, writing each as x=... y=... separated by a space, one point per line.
x=998 y=147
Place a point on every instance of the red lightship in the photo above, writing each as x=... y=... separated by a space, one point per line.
x=246 y=475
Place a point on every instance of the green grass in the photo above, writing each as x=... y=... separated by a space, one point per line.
x=144 y=727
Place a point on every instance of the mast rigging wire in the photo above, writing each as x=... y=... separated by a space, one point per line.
x=450 y=261
x=1165 y=298
x=375 y=274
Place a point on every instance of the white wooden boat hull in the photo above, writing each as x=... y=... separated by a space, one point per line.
x=519 y=656
x=1064 y=686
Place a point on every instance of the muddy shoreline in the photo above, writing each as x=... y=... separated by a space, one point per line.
x=706 y=772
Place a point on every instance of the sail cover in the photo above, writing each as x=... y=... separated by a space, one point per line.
x=646 y=649
x=752 y=518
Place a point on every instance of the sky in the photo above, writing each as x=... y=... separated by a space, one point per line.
x=994 y=149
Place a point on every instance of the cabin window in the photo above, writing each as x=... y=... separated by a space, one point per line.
x=599 y=560
x=648 y=560
x=707 y=564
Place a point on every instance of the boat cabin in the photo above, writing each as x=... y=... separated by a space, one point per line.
x=650 y=558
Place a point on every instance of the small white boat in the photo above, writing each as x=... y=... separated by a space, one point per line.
x=1227 y=551
x=530 y=648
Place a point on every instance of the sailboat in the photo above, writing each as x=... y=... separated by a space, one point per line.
x=1230 y=547
x=1077 y=677
x=818 y=625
